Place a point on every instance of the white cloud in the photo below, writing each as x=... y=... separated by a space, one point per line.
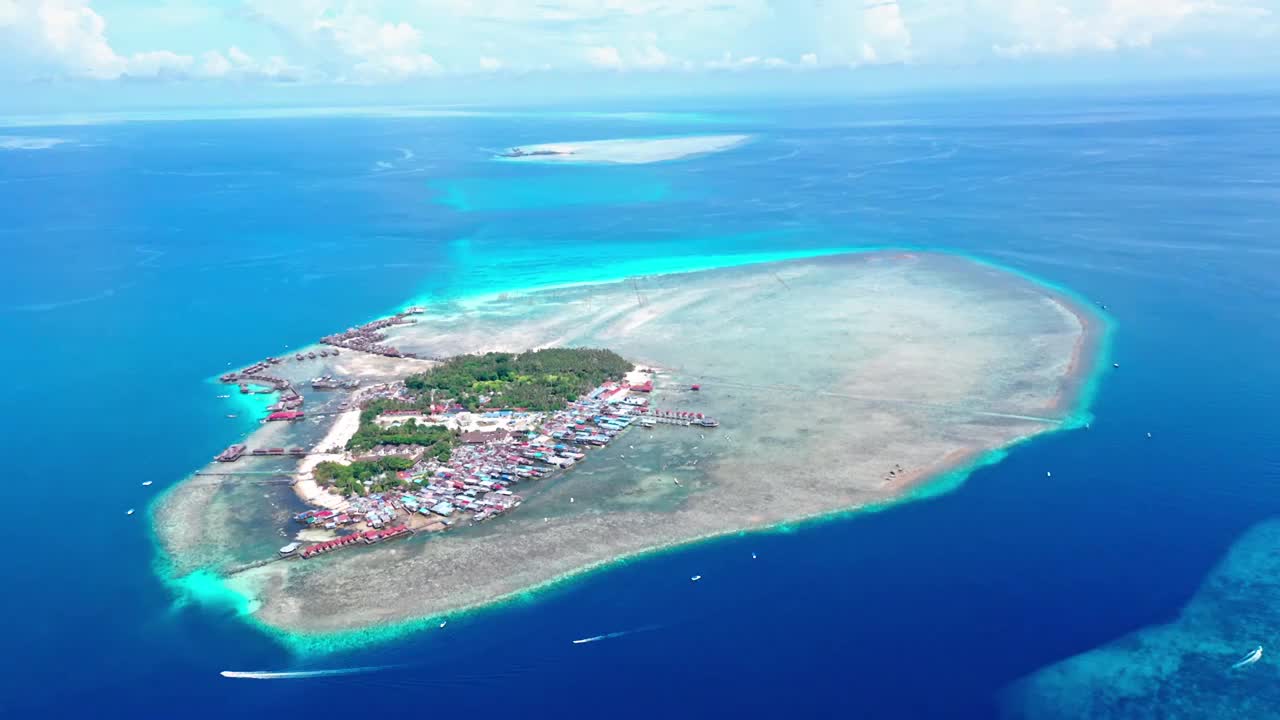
x=604 y=57
x=236 y=63
x=1057 y=27
x=158 y=63
x=373 y=41
x=649 y=56
x=58 y=35
x=355 y=45
x=67 y=38
x=872 y=32
x=215 y=64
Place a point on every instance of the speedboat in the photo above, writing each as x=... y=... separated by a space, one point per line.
x=695 y=578
x=446 y=622
x=130 y=512
x=223 y=397
x=146 y=483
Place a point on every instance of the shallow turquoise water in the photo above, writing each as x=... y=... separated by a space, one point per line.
x=542 y=191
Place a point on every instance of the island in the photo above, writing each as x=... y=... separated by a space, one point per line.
x=488 y=446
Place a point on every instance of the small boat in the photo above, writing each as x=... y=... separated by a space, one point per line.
x=1115 y=365
x=446 y=622
x=223 y=397
x=130 y=512
x=753 y=556
x=1249 y=659
x=146 y=483
x=289 y=549
x=695 y=578
x=232 y=416
x=1148 y=434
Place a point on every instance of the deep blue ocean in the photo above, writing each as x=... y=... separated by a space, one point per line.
x=141 y=258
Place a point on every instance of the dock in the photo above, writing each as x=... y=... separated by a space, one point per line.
x=240 y=450
x=682 y=418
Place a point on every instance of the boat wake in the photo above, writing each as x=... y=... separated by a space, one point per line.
x=1249 y=659
x=299 y=674
x=612 y=635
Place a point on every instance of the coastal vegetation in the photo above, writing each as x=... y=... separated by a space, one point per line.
x=541 y=380
x=437 y=440
x=350 y=479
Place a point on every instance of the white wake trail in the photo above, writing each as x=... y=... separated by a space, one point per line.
x=299 y=674
x=612 y=635
x=1249 y=659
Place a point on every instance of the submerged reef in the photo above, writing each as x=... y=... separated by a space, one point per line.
x=1203 y=665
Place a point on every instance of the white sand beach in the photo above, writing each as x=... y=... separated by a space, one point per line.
x=339 y=433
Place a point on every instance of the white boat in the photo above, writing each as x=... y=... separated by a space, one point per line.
x=695 y=578
x=446 y=622
x=130 y=512
x=146 y=483
x=290 y=548
x=753 y=556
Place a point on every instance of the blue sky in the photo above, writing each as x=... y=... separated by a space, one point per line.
x=295 y=50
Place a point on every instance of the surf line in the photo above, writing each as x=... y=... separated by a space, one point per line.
x=612 y=635
x=1249 y=659
x=299 y=674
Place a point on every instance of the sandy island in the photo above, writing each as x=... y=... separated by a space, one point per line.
x=840 y=382
x=624 y=151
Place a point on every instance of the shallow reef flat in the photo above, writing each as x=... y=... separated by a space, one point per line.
x=1183 y=669
x=840 y=382
x=626 y=151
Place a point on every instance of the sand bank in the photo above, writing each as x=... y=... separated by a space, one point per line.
x=628 y=151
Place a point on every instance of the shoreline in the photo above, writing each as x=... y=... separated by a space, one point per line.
x=1077 y=390
x=305 y=487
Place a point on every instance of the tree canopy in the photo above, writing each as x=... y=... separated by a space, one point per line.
x=538 y=380
x=438 y=440
x=349 y=479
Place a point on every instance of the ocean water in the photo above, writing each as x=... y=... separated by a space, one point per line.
x=143 y=258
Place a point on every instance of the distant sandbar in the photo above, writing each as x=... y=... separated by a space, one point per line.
x=624 y=151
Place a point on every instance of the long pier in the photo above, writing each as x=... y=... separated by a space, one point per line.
x=257 y=564
x=204 y=473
